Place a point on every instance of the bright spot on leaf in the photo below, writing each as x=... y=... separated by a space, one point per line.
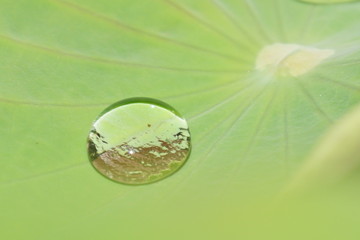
x=290 y=59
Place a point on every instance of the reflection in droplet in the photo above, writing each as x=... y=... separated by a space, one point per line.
x=138 y=141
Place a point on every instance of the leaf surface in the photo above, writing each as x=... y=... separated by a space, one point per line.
x=63 y=62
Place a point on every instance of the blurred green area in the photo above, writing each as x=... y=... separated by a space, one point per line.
x=327 y=1
x=273 y=157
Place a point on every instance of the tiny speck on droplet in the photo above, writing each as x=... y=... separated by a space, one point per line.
x=149 y=125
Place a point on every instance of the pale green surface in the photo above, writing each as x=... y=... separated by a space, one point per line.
x=328 y=1
x=335 y=157
x=61 y=63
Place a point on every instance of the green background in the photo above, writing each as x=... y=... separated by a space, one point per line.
x=63 y=62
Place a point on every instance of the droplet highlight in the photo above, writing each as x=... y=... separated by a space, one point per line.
x=139 y=141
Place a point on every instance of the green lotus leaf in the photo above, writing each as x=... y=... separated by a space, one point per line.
x=328 y=1
x=259 y=81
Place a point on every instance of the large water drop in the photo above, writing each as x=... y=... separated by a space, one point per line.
x=139 y=141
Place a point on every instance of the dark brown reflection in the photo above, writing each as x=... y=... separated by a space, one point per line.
x=144 y=164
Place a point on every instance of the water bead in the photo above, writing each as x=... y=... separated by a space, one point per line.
x=139 y=141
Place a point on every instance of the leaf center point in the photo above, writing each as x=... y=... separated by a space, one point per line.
x=290 y=59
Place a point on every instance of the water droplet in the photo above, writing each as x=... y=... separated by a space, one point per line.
x=138 y=141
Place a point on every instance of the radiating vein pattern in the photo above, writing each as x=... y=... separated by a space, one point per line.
x=200 y=56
